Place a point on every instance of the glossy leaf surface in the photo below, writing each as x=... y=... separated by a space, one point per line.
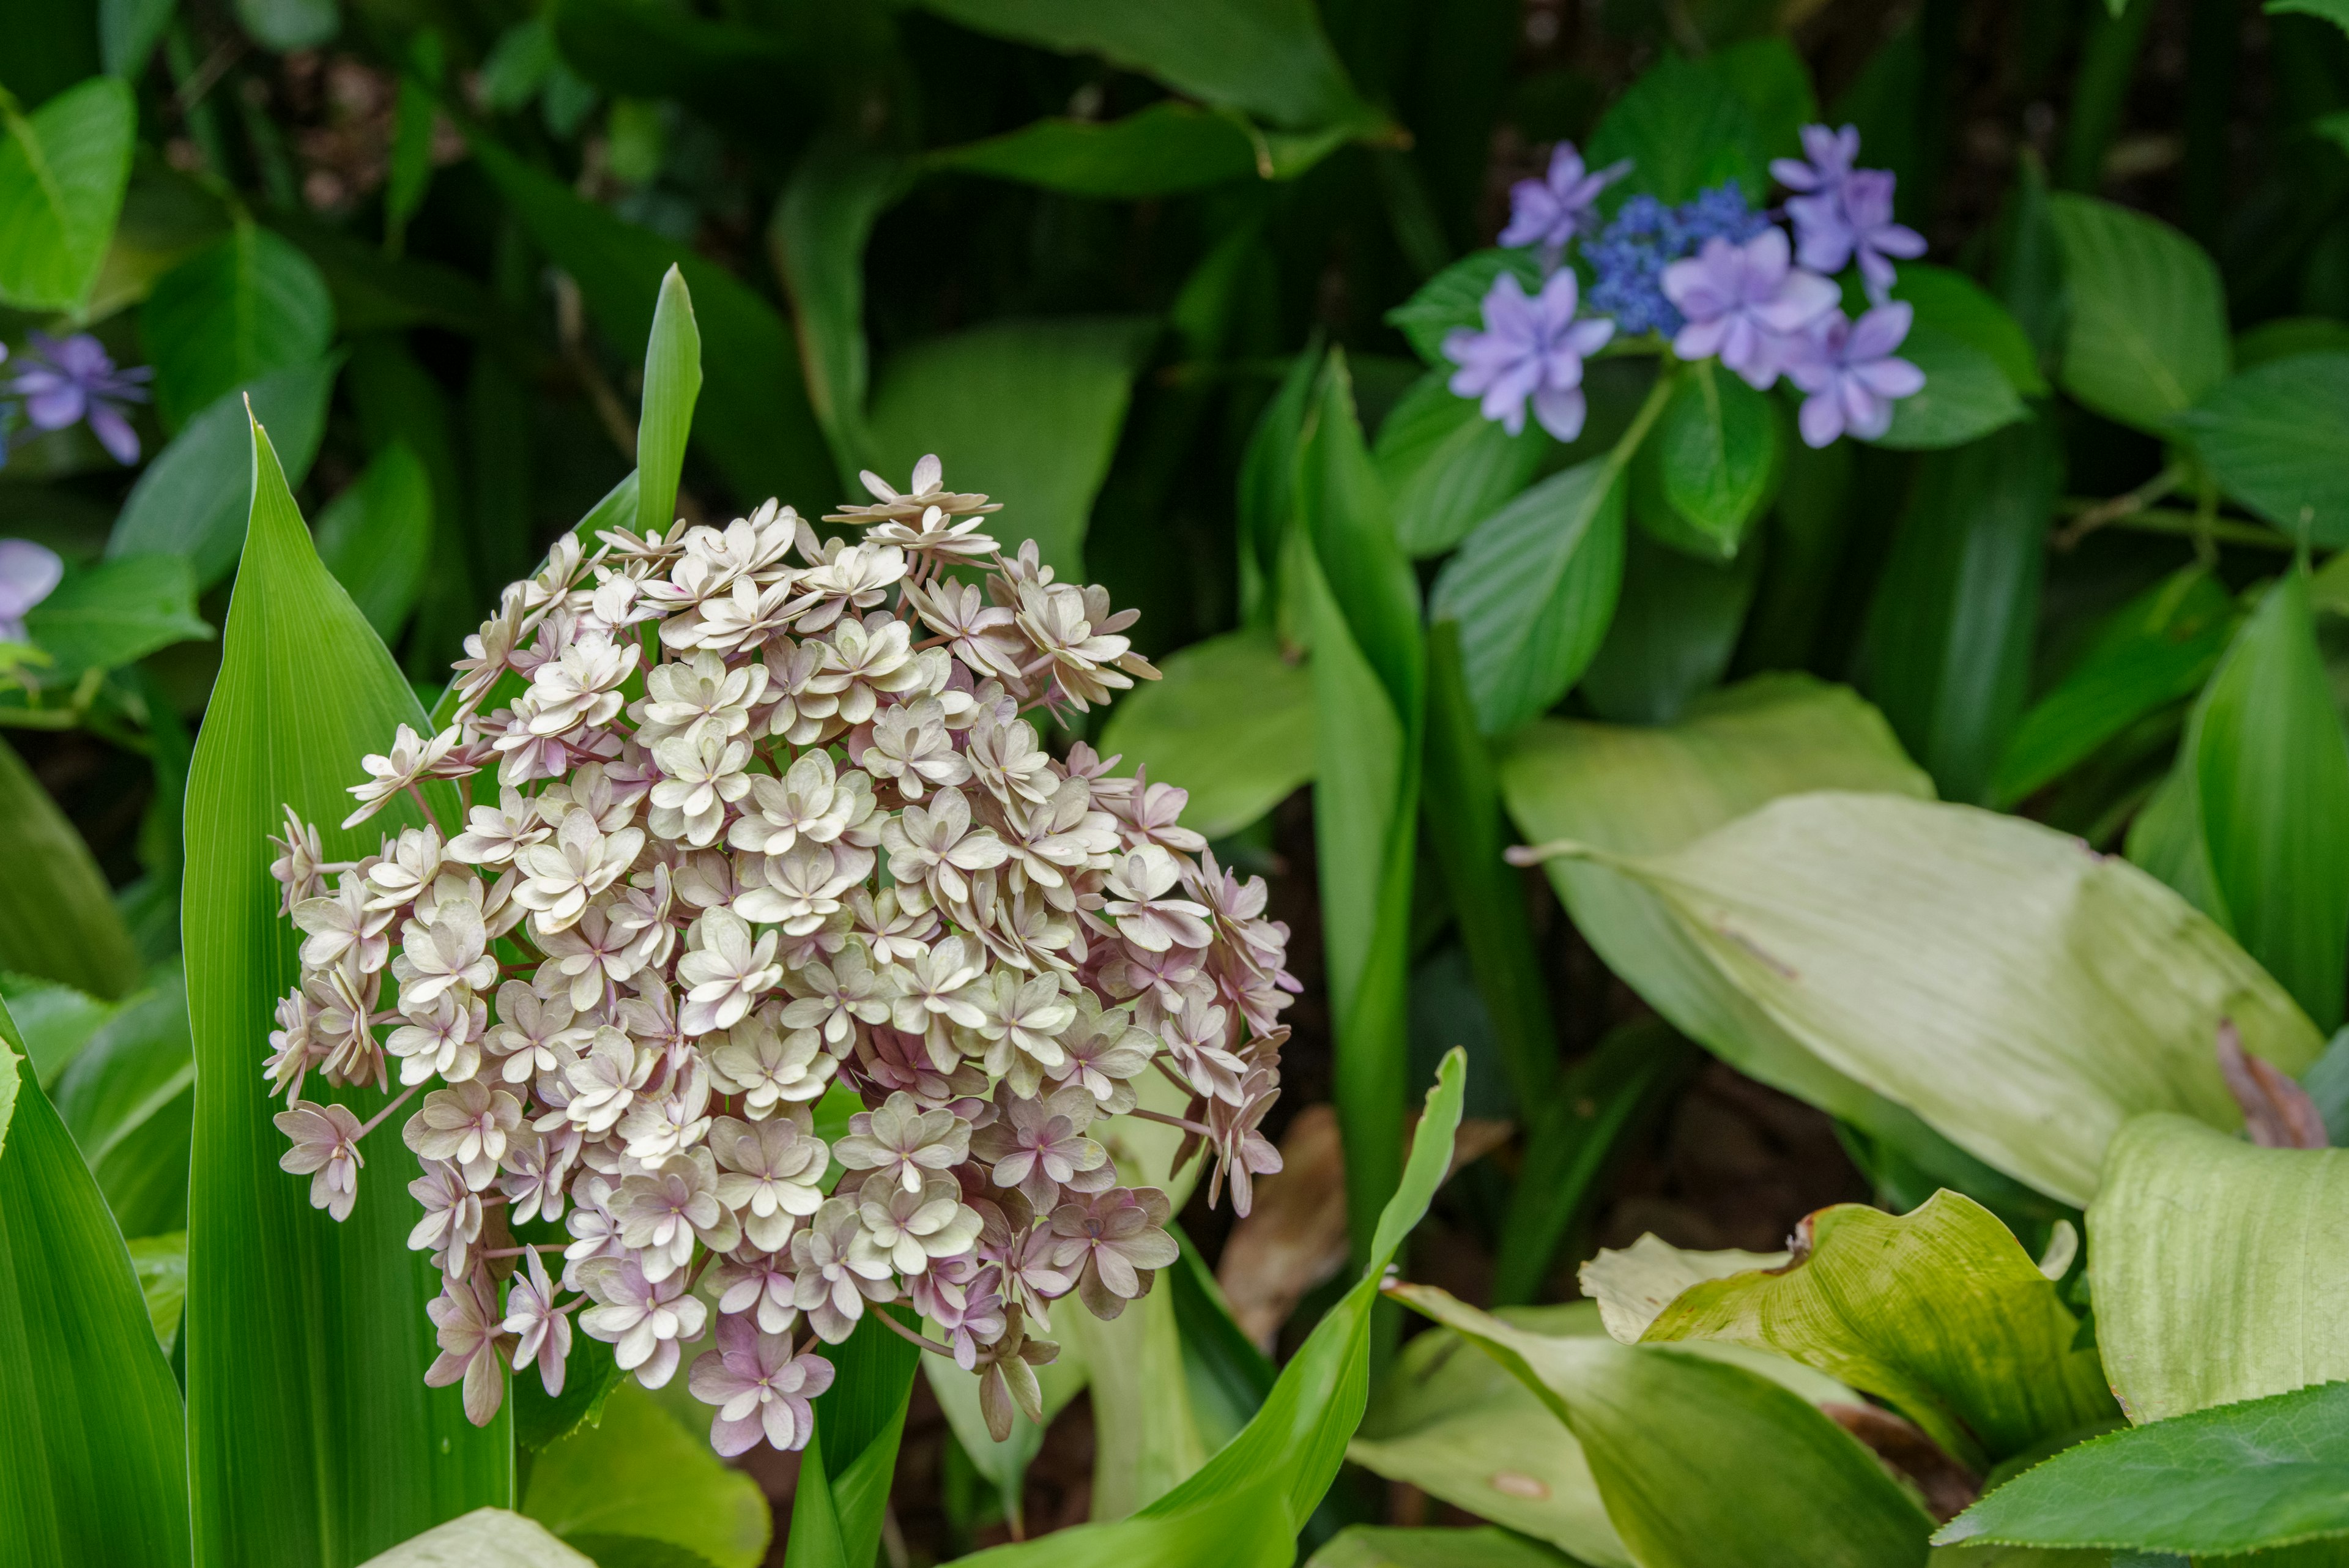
x=62 y=171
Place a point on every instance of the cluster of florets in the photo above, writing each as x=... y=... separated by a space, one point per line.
x=772 y=834
x=1716 y=278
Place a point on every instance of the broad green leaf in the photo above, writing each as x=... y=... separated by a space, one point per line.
x=1454 y=299
x=756 y=80
x=1533 y=589
x=1145 y=1442
x=160 y=1265
x=1369 y=696
x=1269 y=58
x=127 y=32
x=1710 y=465
x=1703 y=1462
x=817 y=240
x=57 y=919
x=1940 y=1313
x=2147 y=337
x=1957 y=308
x=1574 y=1141
x=1446 y=467
x=540 y=1420
x=1684 y=129
x=129 y=1099
x=247 y=306
x=754 y=423
x=1384 y=1546
x=2254 y=825
x=1231 y=721
x=2265 y=1473
x=1948 y=650
x=1028 y=412
x=1166 y=148
x=485 y=1538
x=2022 y=996
x=2288 y=336
x=54 y=1021
x=639 y=1472
x=92 y=1460
x=279 y=1294
x=672 y=382
x=844 y=1475
x=2268 y=436
x=62 y=172
x=1676 y=625
x=1245 y=1506
x=2220 y=1271
x=193 y=499
x=1456 y=1425
x=1632 y=1285
x=284 y=25
x=1229 y=1377
x=117 y=612
x=2157 y=649
x=1968 y=393
x=2333 y=11
x=377 y=537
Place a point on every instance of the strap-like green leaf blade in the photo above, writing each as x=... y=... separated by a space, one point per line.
x=672 y=382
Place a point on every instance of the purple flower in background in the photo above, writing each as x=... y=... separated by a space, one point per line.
x=1743 y=303
x=73 y=379
x=1848 y=369
x=1628 y=257
x=1529 y=348
x=1844 y=213
x=1552 y=209
x=30 y=573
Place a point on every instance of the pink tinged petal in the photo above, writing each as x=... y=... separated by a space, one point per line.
x=730 y=1437
x=783 y=1431
x=485 y=1385
x=1890 y=378
x=1561 y=412
x=1821 y=419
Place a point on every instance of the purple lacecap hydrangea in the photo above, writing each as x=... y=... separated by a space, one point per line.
x=66 y=381
x=1550 y=211
x=1628 y=256
x=1745 y=303
x=1851 y=374
x=1843 y=214
x=1529 y=348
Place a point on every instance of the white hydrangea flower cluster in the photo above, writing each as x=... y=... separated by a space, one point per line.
x=771 y=820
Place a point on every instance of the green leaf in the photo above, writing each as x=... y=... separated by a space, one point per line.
x=2157 y=649
x=54 y=1021
x=1947 y=652
x=299 y=1449
x=1703 y=1462
x=1446 y=466
x=127 y=1098
x=2288 y=336
x=756 y=426
x=1164 y=148
x=2090 y=991
x=160 y=1265
x=62 y=172
x=748 y=78
x=1028 y=412
x=817 y=239
x=92 y=1463
x=57 y=920
x=590 y=1375
x=640 y=1472
x=250 y=303
x=1940 y=1313
x=415 y=114
x=485 y=1538
x=1955 y=306
x=1384 y=1546
x=672 y=382
x=1533 y=590
x=1269 y=58
x=2265 y=1473
x=1453 y=299
x=1676 y=624
x=2269 y=435
x=1967 y=394
x=2221 y=1271
x=844 y=1475
x=2261 y=802
x=1246 y=1505
x=2333 y=11
x=375 y=538
x=1145 y=1442
x=1231 y=721
x=193 y=497
x=127 y=32
x=1229 y=1377
x=1683 y=131
x=117 y=612
x=2146 y=337
x=1712 y=462
x=284 y=25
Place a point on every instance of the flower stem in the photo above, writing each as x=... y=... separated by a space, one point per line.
x=926 y=1343
x=1628 y=444
x=370 y=1124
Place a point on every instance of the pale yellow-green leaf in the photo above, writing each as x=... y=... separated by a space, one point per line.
x=1940 y=1313
x=485 y=1538
x=2023 y=994
x=1633 y=1283
x=2219 y=1272
x=162 y=1265
x=640 y=1472
x=1145 y=1442
x=1231 y=721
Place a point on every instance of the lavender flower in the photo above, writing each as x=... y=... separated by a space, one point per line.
x=1529 y=348
x=1551 y=210
x=1844 y=214
x=1848 y=369
x=30 y=573
x=1628 y=258
x=74 y=378
x=1743 y=301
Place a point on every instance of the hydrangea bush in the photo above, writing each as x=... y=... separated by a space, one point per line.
x=1714 y=278
x=770 y=819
